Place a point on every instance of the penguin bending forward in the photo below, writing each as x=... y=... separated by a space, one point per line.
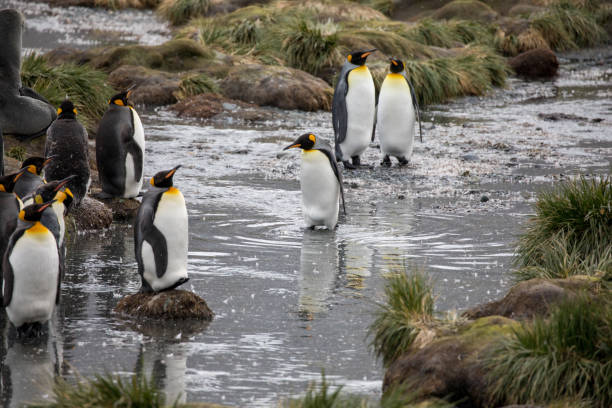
x=29 y=180
x=31 y=271
x=320 y=182
x=120 y=147
x=397 y=110
x=161 y=235
x=353 y=109
x=67 y=143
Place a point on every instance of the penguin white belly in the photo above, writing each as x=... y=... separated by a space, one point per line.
x=59 y=212
x=132 y=188
x=395 y=117
x=171 y=220
x=35 y=263
x=320 y=190
x=360 y=109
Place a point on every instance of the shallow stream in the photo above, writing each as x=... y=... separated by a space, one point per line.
x=290 y=302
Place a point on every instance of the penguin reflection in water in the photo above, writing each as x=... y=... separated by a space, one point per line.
x=161 y=235
x=320 y=182
x=397 y=110
x=31 y=272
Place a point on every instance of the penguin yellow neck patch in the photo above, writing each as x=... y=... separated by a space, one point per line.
x=37 y=228
x=172 y=190
x=2 y=189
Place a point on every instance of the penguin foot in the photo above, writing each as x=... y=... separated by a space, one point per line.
x=103 y=195
x=386 y=162
x=356 y=161
x=176 y=284
x=402 y=161
x=348 y=165
x=32 y=330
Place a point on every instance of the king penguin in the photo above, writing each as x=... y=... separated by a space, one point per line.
x=31 y=271
x=1 y=153
x=120 y=147
x=320 y=182
x=67 y=143
x=396 y=114
x=353 y=109
x=29 y=180
x=10 y=205
x=161 y=235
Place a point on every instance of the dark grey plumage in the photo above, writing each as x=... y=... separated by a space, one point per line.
x=339 y=114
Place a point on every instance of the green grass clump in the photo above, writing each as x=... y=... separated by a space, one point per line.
x=196 y=84
x=86 y=87
x=17 y=152
x=104 y=391
x=571 y=232
x=311 y=47
x=384 y=6
x=179 y=12
x=409 y=302
x=568 y=355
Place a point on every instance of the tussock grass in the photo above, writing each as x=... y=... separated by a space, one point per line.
x=179 y=12
x=105 y=391
x=384 y=6
x=409 y=302
x=511 y=44
x=122 y=4
x=196 y=84
x=448 y=34
x=567 y=356
x=571 y=232
x=85 y=86
x=311 y=47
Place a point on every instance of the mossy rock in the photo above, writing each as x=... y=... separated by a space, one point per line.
x=90 y=215
x=538 y=63
x=124 y=209
x=465 y=10
x=174 y=55
x=211 y=106
x=153 y=87
x=535 y=297
x=336 y=11
x=451 y=366
x=168 y=305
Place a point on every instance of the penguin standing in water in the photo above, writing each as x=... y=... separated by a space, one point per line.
x=31 y=272
x=396 y=114
x=30 y=179
x=353 y=109
x=161 y=235
x=67 y=143
x=320 y=182
x=120 y=147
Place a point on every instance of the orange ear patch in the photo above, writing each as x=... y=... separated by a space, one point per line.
x=59 y=110
x=312 y=138
x=349 y=58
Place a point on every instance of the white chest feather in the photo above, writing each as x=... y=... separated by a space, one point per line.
x=395 y=117
x=320 y=190
x=132 y=186
x=171 y=220
x=59 y=212
x=35 y=263
x=360 y=106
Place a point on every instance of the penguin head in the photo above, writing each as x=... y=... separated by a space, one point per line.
x=33 y=212
x=359 y=57
x=35 y=164
x=397 y=65
x=66 y=197
x=121 y=99
x=66 y=110
x=305 y=142
x=52 y=190
x=7 y=183
x=163 y=179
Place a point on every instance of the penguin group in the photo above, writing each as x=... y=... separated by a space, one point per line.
x=35 y=200
x=356 y=119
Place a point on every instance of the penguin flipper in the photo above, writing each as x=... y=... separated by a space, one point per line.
x=134 y=149
x=375 y=120
x=415 y=102
x=145 y=230
x=334 y=164
x=8 y=276
x=339 y=112
x=60 y=275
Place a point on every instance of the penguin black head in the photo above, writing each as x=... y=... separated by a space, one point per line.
x=397 y=65
x=7 y=182
x=359 y=57
x=51 y=190
x=33 y=212
x=36 y=164
x=121 y=98
x=306 y=142
x=66 y=110
x=163 y=179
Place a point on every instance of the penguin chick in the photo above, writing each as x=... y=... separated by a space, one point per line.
x=353 y=109
x=396 y=114
x=120 y=148
x=320 y=182
x=29 y=180
x=31 y=270
x=67 y=142
x=161 y=235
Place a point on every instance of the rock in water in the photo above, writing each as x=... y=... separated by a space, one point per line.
x=23 y=112
x=538 y=63
x=172 y=304
x=91 y=215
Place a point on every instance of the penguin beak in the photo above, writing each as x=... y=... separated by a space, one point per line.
x=64 y=182
x=45 y=205
x=19 y=174
x=393 y=61
x=365 y=54
x=48 y=160
x=292 y=146
x=171 y=172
